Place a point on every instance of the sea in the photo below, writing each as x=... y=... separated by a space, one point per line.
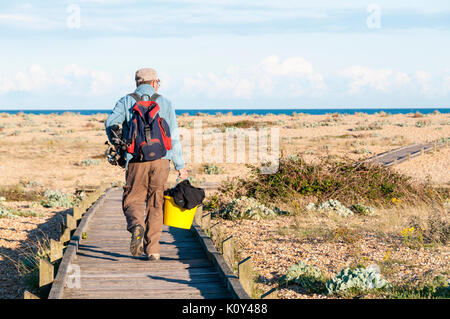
x=265 y=111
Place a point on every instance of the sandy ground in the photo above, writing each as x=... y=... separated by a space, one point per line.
x=40 y=152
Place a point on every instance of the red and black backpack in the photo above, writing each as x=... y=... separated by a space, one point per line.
x=149 y=134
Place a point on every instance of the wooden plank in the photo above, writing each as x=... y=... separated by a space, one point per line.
x=245 y=270
x=29 y=295
x=162 y=286
x=206 y=221
x=125 y=248
x=228 y=251
x=46 y=273
x=71 y=222
x=121 y=232
x=198 y=215
x=157 y=271
x=125 y=252
x=176 y=268
x=186 y=247
x=148 y=282
x=108 y=240
x=124 y=258
x=56 y=250
x=127 y=294
x=163 y=262
x=65 y=236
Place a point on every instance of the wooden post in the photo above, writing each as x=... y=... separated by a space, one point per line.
x=228 y=251
x=434 y=146
x=29 y=295
x=409 y=156
x=65 y=236
x=198 y=215
x=206 y=221
x=46 y=270
x=71 y=223
x=56 y=250
x=86 y=202
x=245 y=270
x=422 y=151
x=91 y=198
x=395 y=161
x=215 y=231
x=77 y=212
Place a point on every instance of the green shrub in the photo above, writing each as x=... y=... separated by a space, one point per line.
x=437 y=287
x=89 y=162
x=55 y=198
x=423 y=123
x=306 y=276
x=331 y=205
x=6 y=213
x=212 y=169
x=18 y=193
x=362 y=209
x=246 y=208
x=377 y=125
x=342 y=179
x=356 y=280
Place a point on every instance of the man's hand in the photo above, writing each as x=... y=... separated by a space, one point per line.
x=183 y=173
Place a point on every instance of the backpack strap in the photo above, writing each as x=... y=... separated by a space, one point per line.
x=138 y=98
x=154 y=97
x=147 y=127
x=135 y=96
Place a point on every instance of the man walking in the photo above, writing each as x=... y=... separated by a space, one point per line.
x=143 y=199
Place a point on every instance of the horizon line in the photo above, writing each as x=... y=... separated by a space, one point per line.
x=233 y=108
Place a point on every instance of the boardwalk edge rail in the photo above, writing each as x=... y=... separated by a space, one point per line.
x=427 y=147
x=72 y=229
x=231 y=280
x=223 y=253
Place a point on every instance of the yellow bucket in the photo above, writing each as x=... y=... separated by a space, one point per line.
x=175 y=216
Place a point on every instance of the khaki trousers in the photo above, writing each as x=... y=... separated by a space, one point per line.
x=143 y=199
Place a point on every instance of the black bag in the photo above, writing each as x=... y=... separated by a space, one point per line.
x=185 y=195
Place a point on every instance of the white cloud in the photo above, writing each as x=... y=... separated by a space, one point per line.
x=362 y=77
x=32 y=78
x=101 y=82
x=295 y=67
x=424 y=80
x=74 y=79
x=446 y=84
x=270 y=77
x=6 y=85
x=28 y=21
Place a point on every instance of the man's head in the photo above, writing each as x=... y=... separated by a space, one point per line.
x=147 y=76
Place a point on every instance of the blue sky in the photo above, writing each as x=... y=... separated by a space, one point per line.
x=226 y=53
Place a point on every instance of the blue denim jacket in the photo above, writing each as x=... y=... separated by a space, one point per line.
x=121 y=115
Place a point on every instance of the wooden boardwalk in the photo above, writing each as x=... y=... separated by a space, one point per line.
x=404 y=153
x=105 y=268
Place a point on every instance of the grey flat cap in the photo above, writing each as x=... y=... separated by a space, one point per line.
x=146 y=74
